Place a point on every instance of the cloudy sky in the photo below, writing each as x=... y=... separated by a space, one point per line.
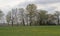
x=50 y=5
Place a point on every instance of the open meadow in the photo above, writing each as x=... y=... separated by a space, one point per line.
x=30 y=31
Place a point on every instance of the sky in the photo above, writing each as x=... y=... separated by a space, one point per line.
x=49 y=5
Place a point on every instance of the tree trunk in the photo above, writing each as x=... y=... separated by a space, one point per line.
x=40 y=22
x=8 y=23
x=17 y=24
x=58 y=20
x=27 y=21
x=12 y=22
x=30 y=21
x=23 y=22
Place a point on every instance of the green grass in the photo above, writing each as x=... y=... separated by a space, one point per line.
x=30 y=31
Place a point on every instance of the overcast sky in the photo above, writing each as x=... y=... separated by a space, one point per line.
x=50 y=5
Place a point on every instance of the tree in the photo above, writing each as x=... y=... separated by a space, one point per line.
x=31 y=8
x=51 y=19
x=12 y=16
x=8 y=17
x=1 y=13
x=15 y=15
x=43 y=16
x=1 y=16
x=57 y=13
x=21 y=11
x=27 y=19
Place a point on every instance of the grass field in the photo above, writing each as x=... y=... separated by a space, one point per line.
x=30 y=31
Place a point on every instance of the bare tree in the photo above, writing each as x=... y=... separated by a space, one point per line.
x=57 y=14
x=21 y=10
x=8 y=17
x=1 y=15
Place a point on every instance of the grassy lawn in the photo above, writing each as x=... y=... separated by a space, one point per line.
x=30 y=31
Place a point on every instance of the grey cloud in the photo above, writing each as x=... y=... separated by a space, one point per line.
x=42 y=2
x=24 y=4
x=46 y=1
x=50 y=8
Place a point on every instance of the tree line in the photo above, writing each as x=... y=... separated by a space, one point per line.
x=31 y=16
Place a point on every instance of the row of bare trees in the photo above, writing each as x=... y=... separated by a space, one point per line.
x=31 y=16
